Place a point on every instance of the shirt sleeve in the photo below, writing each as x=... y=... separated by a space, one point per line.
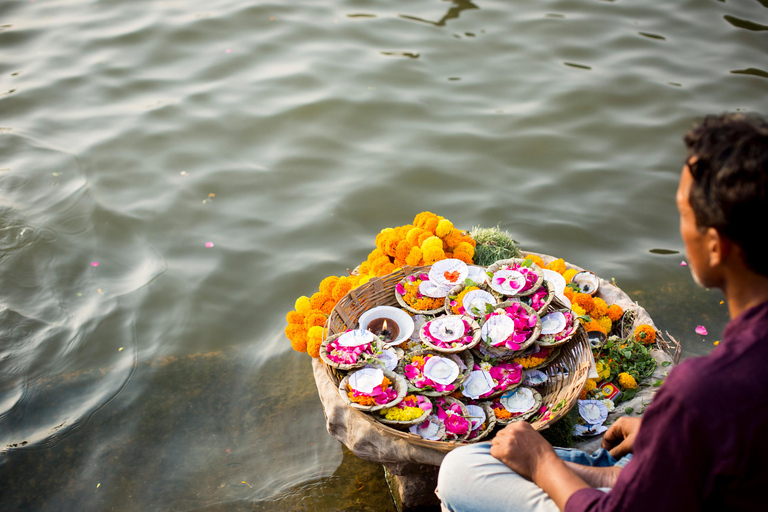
x=670 y=468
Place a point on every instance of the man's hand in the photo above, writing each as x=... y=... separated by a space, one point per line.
x=620 y=437
x=521 y=448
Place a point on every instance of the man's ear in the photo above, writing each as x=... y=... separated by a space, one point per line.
x=719 y=247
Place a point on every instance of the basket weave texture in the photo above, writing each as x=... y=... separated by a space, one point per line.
x=567 y=373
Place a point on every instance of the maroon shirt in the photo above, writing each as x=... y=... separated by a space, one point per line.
x=703 y=443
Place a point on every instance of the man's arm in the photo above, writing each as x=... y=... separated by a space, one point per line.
x=596 y=477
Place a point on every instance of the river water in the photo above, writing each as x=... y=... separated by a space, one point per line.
x=175 y=173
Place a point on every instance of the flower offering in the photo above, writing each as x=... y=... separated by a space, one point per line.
x=431 y=372
x=557 y=327
x=516 y=404
x=516 y=278
x=533 y=357
x=369 y=387
x=351 y=347
x=411 y=408
x=488 y=379
x=449 y=332
x=450 y=413
x=420 y=294
x=472 y=301
x=510 y=327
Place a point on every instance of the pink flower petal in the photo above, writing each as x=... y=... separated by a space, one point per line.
x=683 y=264
x=209 y=244
x=701 y=330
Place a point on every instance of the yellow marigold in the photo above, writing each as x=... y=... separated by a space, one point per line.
x=327 y=285
x=380 y=238
x=432 y=242
x=600 y=309
x=404 y=414
x=467 y=248
x=314 y=317
x=403 y=249
x=444 y=228
x=375 y=254
x=431 y=225
x=626 y=381
x=432 y=255
x=585 y=301
x=590 y=385
x=537 y=260
x=594 y=326
x=603 y=371
x=466 y=258
x=426 y=235
x=605 y=323
x=387 y=268
x=529 y=361
x=452 y=239
x=365 y=268
x=414 y=257
x=315 y=336
x=471 y=241
x=578 y=310
x=421 y=219
x=402 y=231
x=413 y=235
x=294 y=317
x=614 y=312
x=316 y=301
x=302 y=304
x=645 y=334
x=557 y=265
x=363 y=280
x=390 y=245
x=341 y=288
x=328 y=306
x=297 y=334
x=569 y=273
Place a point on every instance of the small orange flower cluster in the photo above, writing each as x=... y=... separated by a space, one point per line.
x=417 y=301
x=601 y=315
x=457 y=309
x=645 y=334
x=529 y=361
x=501 y=413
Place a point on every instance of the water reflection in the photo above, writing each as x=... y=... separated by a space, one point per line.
x=457 y=7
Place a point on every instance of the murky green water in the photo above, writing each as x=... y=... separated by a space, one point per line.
x=142 y=370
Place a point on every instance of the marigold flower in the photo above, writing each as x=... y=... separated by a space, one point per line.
x=501 y=413
x=536 y=259
x=605 y=323
x=467 y=248
x=403 y=249
x=404 y=414
x=462 y=256
x=426 y=235
x=600 y=309
x=294 y=317
x=614 y=312
x=383 y=234
x=328 y=306
x=363 y=280
x=387 y=268
x=645 y=334
x=444 y=228
x=578 y=310
x=569 y=273
x=452 y=239
x=414 y=257
x=458 y=309
x=585 y=301
x=402 y=231
x=315 y=337
x=316 y=301
x=588 y=386
x=603 y=370
x=314 y=317
x=365 y=268
x=569 y=294
x=413 y=235
x=432 y=255
x=594 y=326
x=431 y=225
x=342 y=288
x=390 y=245
x=375 y=254
x=302 y=305
x=471 y=241
x=432 y=242
x=327 y=285
x=626 y=381
x=298 y=337
x=421 y=219
x=557 y=265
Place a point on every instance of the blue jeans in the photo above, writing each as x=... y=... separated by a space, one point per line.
x=471 y=479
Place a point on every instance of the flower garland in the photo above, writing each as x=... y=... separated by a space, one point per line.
x=461 y=342
x=413 y=297
x=457 y=304
x=381 y=394
x=524 y=324
x=411 y=408
x=340 y=354
x=414 y=372
x=456 y=425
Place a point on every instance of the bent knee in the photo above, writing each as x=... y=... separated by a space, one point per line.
x=458 y=469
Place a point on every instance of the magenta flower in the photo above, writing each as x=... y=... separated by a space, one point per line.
x=400 y=289
x=455 y=424
x=410 y=371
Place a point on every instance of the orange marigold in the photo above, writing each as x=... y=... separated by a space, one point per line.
x=317 y=300
x=327 y=285
x=387 y=268
x=501 y=413
x=422 y=218
x=294 y=317
x=600 y=309
x=342 y=287
x=426 y=235
x=403 y=249
x=431 y=225
x=328 y=306
x=315 y=337
x=467 y=248
x=585 y=301
x=557 y=265
x=383 y=234
x=469 y=240
x=365 y=268
x=375 y=254
x=645 y=334
x=569 y=294
x=593 y=325
x=413 y=235
x=452 y=239
x=390 y=245
x=298 y=337
x=614 y=312
x=466 y=258
x=402 y=231
x=414 y=257
x=314 y=317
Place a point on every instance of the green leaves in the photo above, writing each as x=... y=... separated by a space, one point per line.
x=527 y=263
x=666 y=363
x=629 y=410
x=468 y=282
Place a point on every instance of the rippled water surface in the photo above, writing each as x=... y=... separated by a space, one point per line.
x=175 y=173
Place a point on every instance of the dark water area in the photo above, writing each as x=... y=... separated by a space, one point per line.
x=173 y=174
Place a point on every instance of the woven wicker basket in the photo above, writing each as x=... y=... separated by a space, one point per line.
x=540 y=275
x=489 y=425
x=326 y=359
x=401 y=302
x=403 y=425
x=456 y=350
x=537 y=397
x=398 y=382
x=565 y=340
x=465 y=356
x=567 y=373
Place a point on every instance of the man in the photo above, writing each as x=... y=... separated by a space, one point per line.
x=703 y=443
